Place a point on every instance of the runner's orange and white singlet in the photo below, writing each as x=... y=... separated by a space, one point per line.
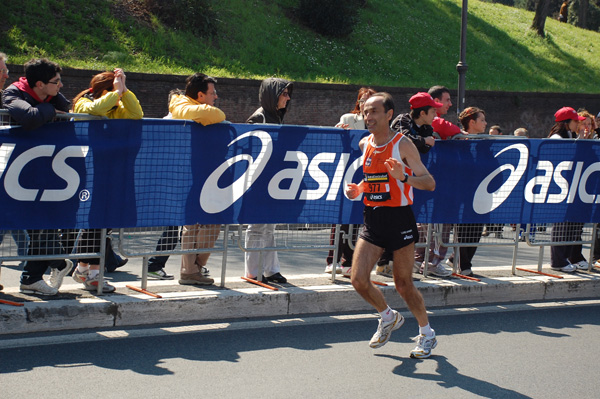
x=380 y=188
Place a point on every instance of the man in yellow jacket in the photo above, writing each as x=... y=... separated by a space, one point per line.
x=197 y=104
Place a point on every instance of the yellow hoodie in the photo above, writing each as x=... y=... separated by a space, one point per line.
x=109 y=105
x=184 y=107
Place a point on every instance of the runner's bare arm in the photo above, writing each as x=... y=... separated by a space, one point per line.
x=421 y=177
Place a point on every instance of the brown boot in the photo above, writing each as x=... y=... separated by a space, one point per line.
x=195 y=279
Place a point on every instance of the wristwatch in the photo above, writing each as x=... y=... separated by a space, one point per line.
x=405 y=178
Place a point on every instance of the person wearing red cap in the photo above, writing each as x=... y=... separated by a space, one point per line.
x=565 y=127
x=417 y=124
x=566 y=258
x=444 y=129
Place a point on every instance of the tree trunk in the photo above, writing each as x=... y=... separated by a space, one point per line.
x=539 y=20
x=582 y=17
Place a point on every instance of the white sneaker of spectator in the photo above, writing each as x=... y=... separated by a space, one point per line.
x=57 y=276
x=329 y=268
x=582 y=265
x=40 y=287
x=436 y=270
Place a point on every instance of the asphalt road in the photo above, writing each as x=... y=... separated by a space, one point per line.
x=517 y=351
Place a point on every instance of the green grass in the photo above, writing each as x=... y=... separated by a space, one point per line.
x=397 y=43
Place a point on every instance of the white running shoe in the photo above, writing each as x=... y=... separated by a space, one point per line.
x=582 y=265
x=436 y=270
x=329 y=268
x=91 y=284
x=385 y=271
x=40 y=287
x=384 y=330
x=57 y=276
x=424 y=346
x=346 y=271
x=78 y=276
x=569 y=268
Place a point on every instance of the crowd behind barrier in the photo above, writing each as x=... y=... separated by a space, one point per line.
x=109 y=97
x=142 y=242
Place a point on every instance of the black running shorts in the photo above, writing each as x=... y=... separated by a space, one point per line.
x=390 y=228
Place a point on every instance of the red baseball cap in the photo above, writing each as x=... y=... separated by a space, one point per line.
x=566 y=113
x=423 y=99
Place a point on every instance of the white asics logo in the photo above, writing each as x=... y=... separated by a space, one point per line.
x=484 y=201
x=538 y=189
x=216 y=199
x=284 y=184
x=12 y=172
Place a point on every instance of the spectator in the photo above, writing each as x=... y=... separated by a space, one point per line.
x=385 y=202
x=445 y=130
x=585 y=128
x=566 y=258
x=197 y=104
x=20 y=236
x=170 y=236
x=31 y=102
x=563 y=14
x=3 y=70
x=521 y=132
x=274 y=96
x=352 y=120
x=107 y=96
x=442 y=127
x=417 y=126
x=473 y=121
x=495 y=131
x=597 y=123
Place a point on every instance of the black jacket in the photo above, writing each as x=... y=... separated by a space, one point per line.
x=268 y=95
x=27 y=111
x=407 y=126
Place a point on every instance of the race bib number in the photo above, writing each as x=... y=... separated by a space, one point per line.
x=378 y=187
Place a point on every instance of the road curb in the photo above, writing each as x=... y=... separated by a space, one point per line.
x=213 y=305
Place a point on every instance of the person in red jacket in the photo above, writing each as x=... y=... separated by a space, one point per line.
x=441 y=126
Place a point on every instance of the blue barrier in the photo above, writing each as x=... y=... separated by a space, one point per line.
x=125 y=173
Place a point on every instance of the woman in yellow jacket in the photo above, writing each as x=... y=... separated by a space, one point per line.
x=107 y=96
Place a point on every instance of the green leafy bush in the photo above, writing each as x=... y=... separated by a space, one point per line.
x=329 y=17
x=196 y=16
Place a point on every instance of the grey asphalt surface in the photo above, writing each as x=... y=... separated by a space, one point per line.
x=517 y=351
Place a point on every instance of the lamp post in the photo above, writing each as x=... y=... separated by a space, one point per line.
x=462 y=67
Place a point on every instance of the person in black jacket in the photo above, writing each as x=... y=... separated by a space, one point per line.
x=274 y=95
x=36 y=99
x=31 y=102
x=417 y=124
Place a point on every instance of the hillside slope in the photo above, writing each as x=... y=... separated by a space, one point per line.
x=395 y=44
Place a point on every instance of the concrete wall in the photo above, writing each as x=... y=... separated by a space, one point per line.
x=322 y=104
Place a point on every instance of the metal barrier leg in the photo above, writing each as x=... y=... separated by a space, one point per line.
x=592 y=246
x=336 y=241
x=514 y=259
x=224 y=256
x=144 y=272
x=427 y=247
x=102 y=261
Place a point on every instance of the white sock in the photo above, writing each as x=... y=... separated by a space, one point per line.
x=387 y=314
x=426 y=330
x=93 y=273
x=82 y=268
